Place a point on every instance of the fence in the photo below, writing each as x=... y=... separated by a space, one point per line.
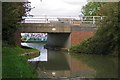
x=70 y=20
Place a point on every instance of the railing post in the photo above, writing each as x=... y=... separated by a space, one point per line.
x=93 y=19
x=45 y=18
x=101 y=17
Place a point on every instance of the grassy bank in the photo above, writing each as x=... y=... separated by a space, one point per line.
x=95 y=45
x=15 y=66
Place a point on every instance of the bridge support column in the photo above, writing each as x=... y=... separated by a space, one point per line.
x=79 y=34
x=77 y=37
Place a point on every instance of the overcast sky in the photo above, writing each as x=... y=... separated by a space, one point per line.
x=57 y=7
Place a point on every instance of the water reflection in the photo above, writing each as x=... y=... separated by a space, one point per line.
x=105 y=66
x=56 y=64
x=43 y=52
x=42 y=57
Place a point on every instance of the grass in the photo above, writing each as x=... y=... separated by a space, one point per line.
x=15 y=66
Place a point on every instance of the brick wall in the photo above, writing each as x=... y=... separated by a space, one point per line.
x=77 y=37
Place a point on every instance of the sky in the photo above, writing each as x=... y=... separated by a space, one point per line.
x=57 y=7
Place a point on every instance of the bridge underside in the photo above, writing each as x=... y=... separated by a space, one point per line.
x=60 y=40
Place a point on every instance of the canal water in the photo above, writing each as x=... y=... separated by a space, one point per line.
x=59 y=64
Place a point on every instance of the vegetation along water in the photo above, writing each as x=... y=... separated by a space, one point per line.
x=106 y=39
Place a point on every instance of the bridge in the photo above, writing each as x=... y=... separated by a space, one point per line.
x=63 y=31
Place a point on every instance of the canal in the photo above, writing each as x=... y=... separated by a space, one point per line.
x=61 y=64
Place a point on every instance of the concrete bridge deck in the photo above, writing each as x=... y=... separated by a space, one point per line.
x=46 y=27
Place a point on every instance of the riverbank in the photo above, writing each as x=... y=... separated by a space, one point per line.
x=94 y=46
x=15 y=66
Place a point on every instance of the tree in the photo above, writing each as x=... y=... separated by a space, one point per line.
x=12 y=13
x=108 y=33
x=91 y=8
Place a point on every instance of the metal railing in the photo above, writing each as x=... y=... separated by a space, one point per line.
x=45 y=19
x=91 y=19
